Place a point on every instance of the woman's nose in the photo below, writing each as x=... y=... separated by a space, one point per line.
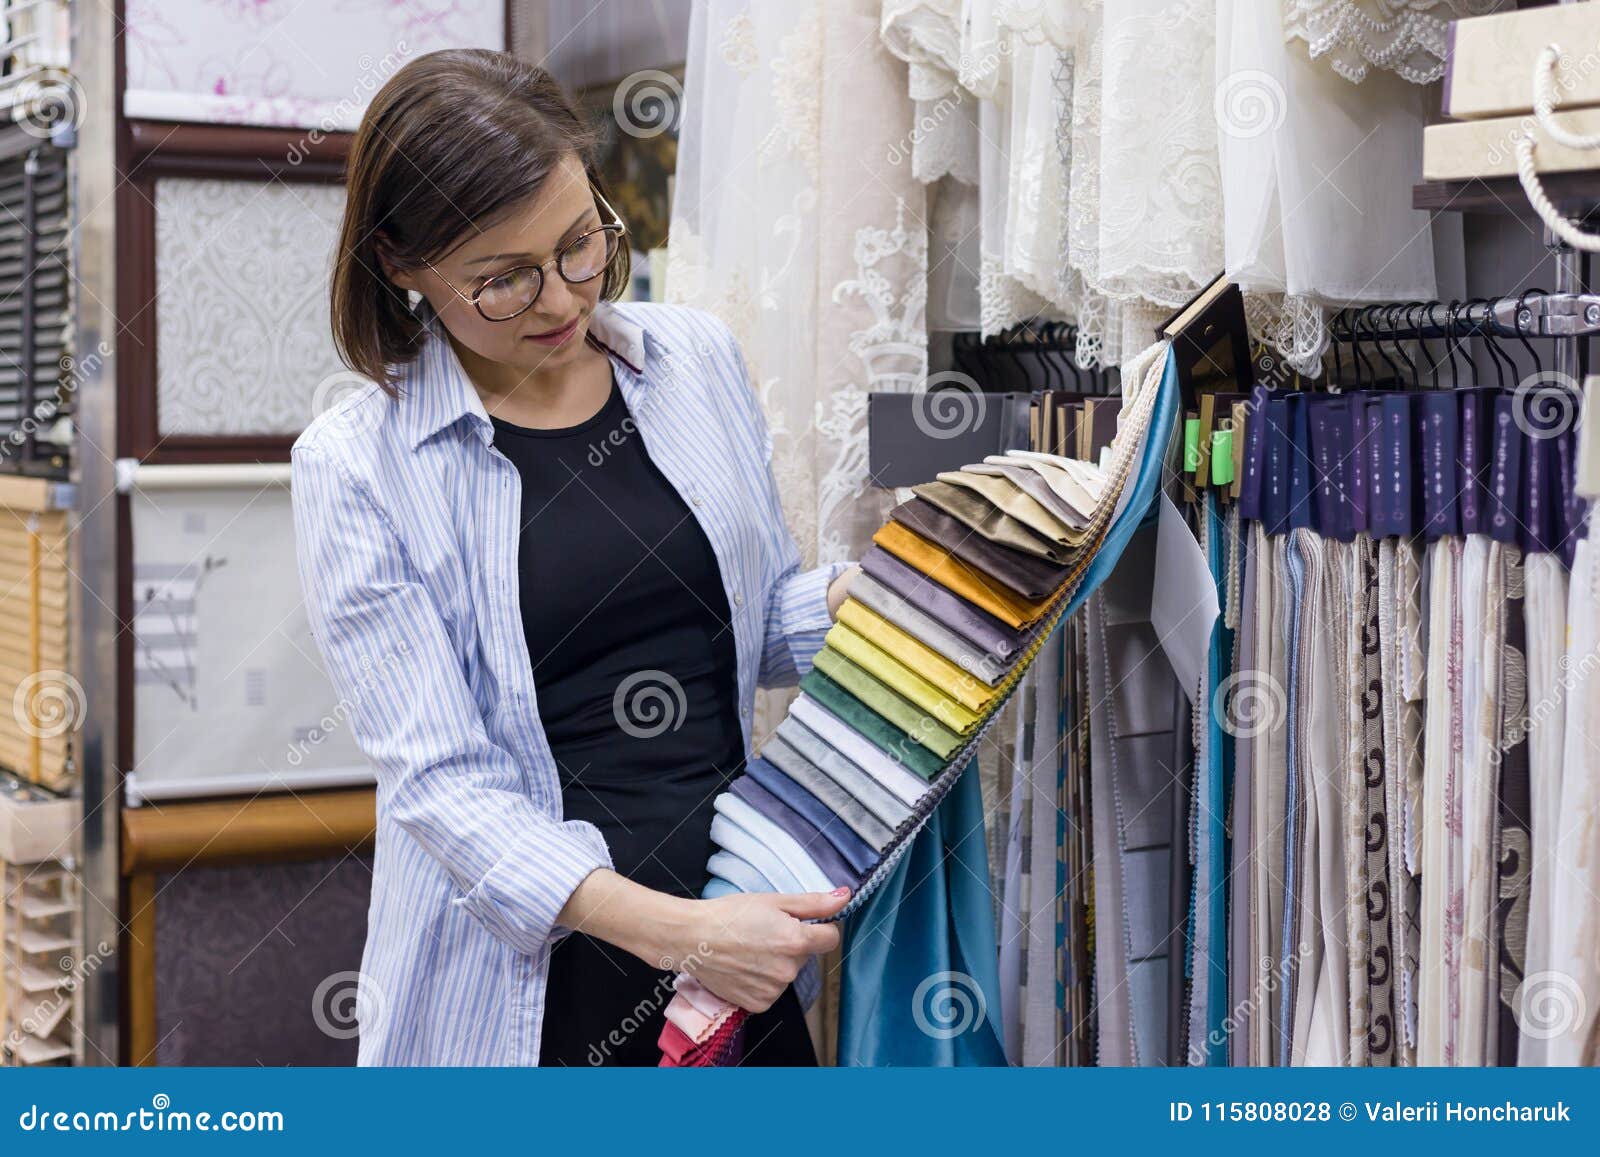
x=557 y=300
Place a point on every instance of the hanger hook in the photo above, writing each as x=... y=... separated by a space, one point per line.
x=1392 y=320
x=1371 y=314
x=1491 y=342
x=1522 y=333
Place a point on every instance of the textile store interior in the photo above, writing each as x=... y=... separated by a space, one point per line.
x=1199 y=384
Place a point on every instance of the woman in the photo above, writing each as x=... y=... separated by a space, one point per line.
x=546 y=564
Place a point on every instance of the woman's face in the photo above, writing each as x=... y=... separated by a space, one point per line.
x=551 y=332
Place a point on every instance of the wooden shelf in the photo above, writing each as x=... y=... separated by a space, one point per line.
x=1576 y=194
x=169 y=836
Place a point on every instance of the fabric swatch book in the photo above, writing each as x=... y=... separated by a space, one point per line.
x=958 y=593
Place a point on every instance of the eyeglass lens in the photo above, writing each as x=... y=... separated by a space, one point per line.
x=583 y=260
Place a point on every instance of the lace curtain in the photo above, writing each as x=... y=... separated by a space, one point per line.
x=1125 y=153
x=816 y=255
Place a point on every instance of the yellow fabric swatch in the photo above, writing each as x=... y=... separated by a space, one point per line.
x=896 y=675
x=950 y=572
x=961 y=685
x=896 y=708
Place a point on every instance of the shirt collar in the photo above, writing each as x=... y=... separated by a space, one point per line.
x=435 y=392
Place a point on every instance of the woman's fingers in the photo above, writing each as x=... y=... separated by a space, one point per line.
x=823 y=938
x=763 y=943
x=812 y=905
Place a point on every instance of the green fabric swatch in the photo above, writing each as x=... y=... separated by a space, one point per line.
x=867 y=723
x=904 y=714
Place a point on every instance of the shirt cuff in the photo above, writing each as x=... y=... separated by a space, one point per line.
x=805 y=599
x=519 y=899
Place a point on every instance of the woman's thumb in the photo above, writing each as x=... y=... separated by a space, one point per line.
x=813 y=905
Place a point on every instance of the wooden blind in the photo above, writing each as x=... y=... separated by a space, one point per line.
x=41 y=928
x=41 y=704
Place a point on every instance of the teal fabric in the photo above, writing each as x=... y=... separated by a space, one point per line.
x=1219 y=790
x=921 y=960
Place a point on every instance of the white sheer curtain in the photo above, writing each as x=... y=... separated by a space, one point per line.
x=798 y=220
x=1309 y=157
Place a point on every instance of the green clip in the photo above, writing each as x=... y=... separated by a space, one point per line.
x=1191 y=445
x=1222 y=457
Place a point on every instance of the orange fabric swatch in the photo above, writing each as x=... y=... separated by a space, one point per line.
x=950 y=572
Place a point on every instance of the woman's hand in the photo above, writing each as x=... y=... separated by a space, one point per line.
x=750 y=948
x=839 y=589
x=746 y=949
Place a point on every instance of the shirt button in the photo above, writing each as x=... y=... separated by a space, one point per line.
x=738 y=600
x=744 y=711
x=696 y=500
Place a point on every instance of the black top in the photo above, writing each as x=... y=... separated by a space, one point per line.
x=635 y=674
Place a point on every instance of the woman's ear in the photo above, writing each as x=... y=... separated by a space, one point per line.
x=402 y=279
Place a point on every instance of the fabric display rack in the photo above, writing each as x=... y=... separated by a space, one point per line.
x=1380 y=785
x=1210 y=834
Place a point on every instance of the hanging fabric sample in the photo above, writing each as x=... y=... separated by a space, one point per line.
x=927 y=931
x=1133 y=732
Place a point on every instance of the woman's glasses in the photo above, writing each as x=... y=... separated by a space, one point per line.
x=585 y=257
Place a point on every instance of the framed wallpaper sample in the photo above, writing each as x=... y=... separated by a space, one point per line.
x=244 y=926
x=286 y=63
x=242 y=333
x=229 y=691
x=257 y=964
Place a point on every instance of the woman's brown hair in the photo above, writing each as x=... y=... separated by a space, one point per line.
x=452 y=140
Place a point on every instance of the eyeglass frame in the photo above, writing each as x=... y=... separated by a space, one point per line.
x=617 y=226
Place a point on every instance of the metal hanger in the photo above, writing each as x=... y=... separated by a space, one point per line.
x=1521 y=319
x=1491 y=343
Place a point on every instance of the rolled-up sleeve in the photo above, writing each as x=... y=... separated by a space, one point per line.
x=461 y=796
x=797 y=621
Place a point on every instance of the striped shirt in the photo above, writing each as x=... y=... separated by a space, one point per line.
x=407 y=524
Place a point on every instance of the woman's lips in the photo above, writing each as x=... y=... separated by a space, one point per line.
x=556 y=336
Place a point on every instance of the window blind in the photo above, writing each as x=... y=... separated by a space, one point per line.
x=35 y=312
x=41 y=704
